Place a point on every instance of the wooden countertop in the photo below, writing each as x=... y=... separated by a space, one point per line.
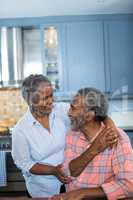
x=26 y=198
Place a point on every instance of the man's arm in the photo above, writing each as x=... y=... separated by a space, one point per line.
x=121 y=186
x=83 y=193
x=103 y=140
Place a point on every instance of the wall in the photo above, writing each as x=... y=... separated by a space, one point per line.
x=11 y=104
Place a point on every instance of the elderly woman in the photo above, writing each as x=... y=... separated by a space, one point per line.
x=39 y=139
x=110 y=173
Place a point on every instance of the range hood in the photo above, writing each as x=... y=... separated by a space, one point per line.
x=11 y=56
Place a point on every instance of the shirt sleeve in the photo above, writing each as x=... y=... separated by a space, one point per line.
x=21 y=152
x=122 y=163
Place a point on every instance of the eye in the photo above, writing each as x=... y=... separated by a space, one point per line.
x=35 y=98
x=51 y=96
x=72 y=107
x=47 y=97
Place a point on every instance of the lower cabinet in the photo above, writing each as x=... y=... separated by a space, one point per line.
x=15 y=180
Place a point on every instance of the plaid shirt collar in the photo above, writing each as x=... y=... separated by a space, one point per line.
x=82 y=136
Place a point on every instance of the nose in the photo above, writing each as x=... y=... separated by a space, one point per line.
x=50 y=100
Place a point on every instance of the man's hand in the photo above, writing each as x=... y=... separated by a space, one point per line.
x=58 y=172
x=106 y=138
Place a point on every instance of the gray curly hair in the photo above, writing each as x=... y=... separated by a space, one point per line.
x=31 y=83
x=95 y=101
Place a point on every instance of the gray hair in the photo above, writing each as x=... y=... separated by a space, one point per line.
x=31 y=83
x=95 y=101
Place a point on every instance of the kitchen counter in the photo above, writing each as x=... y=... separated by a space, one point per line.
x=26 y=198
x=127 y=128
x=6 y=140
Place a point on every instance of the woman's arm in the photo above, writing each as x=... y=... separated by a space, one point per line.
x=22 y=158
x=41 y=169
x=108 y=122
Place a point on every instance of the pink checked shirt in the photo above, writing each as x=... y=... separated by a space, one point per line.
x=111 y=169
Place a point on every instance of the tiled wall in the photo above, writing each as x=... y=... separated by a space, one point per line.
x=12 y=104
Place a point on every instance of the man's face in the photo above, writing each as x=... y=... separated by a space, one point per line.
x=42 y=99
x=76 y=112
x=79 y=113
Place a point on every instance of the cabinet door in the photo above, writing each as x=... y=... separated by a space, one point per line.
x=51 y=38
x=84 y=60
x=119 y=42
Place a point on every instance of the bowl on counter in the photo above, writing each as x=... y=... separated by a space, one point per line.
x=4 y=131
x=6 y=126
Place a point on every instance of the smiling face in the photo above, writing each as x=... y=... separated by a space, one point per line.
x=41 y=100
x=78 y=113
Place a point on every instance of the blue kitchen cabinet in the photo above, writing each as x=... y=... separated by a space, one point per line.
x=95 y=51
x=119 y=56
x=83 y=55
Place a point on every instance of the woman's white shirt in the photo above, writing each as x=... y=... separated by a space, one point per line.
x=32 y=143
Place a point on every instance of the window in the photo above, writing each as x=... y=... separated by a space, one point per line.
x=32 y=62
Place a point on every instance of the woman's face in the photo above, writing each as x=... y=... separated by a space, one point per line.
x=41 y=100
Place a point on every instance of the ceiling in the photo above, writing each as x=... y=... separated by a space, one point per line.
x=37 y=8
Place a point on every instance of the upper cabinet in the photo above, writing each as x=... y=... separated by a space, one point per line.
x=119 y=56
x=72 y=51
x=31 y=51
x=84 y=55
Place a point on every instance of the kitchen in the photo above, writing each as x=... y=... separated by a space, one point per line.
x=75 y=45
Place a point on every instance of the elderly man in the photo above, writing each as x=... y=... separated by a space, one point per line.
x=110 y=173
